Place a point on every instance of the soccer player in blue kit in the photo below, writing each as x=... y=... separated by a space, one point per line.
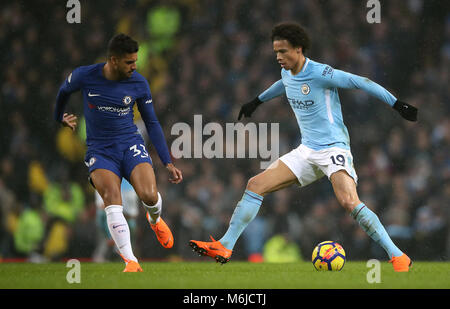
x=311 y=90
x=115 y=149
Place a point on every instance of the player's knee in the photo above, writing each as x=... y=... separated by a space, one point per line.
x=111 y=196
x=255 y=185
x=348 y=201
x=149 y=197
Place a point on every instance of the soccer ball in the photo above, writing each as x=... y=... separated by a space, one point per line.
x=328 y=255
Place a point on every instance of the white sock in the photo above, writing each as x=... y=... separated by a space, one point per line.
x=154 y=210
x=119 y=230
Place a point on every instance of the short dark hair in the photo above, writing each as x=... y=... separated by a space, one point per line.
x=293 y=33
x=121 y=44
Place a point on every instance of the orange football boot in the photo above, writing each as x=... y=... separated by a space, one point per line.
x=212 y=249
x=162 y=231
x=131 y=266
x=401 y=263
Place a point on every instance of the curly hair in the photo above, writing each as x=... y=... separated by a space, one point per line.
x=293 y=33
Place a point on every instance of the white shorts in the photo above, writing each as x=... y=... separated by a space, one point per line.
x=310 y=165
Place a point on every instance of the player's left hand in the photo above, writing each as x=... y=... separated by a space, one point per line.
x=175 y=174
x=406 y=110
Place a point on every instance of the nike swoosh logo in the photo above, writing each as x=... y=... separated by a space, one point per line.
x=93 y=94
x=165 y=244
x=116 y=226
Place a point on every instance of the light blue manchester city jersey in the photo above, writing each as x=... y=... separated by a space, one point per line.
x=313 y=96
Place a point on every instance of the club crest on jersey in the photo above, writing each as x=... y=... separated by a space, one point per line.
x=91 y=161
x=305 y=89
x=127 y=100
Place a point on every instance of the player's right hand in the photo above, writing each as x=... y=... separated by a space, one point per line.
x=248 y=108
x=70 y=121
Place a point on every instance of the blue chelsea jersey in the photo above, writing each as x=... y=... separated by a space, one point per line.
x=313 y=96
x=108 y=107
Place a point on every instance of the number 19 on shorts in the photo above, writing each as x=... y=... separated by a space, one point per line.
x=338 y=160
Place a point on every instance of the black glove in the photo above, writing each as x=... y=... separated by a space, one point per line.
x=407 y=111
x=248 y=108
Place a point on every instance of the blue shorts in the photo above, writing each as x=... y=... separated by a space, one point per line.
x=118 y=157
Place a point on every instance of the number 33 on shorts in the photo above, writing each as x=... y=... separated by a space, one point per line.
x=139 y=150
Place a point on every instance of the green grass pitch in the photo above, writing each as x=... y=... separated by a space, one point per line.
x=210 y=275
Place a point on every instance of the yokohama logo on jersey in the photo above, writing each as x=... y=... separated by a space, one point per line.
x=111 y=109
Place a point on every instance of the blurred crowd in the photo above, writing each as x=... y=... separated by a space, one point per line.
x=208 y=58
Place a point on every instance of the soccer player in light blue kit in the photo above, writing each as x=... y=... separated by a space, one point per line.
x=311 y=89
